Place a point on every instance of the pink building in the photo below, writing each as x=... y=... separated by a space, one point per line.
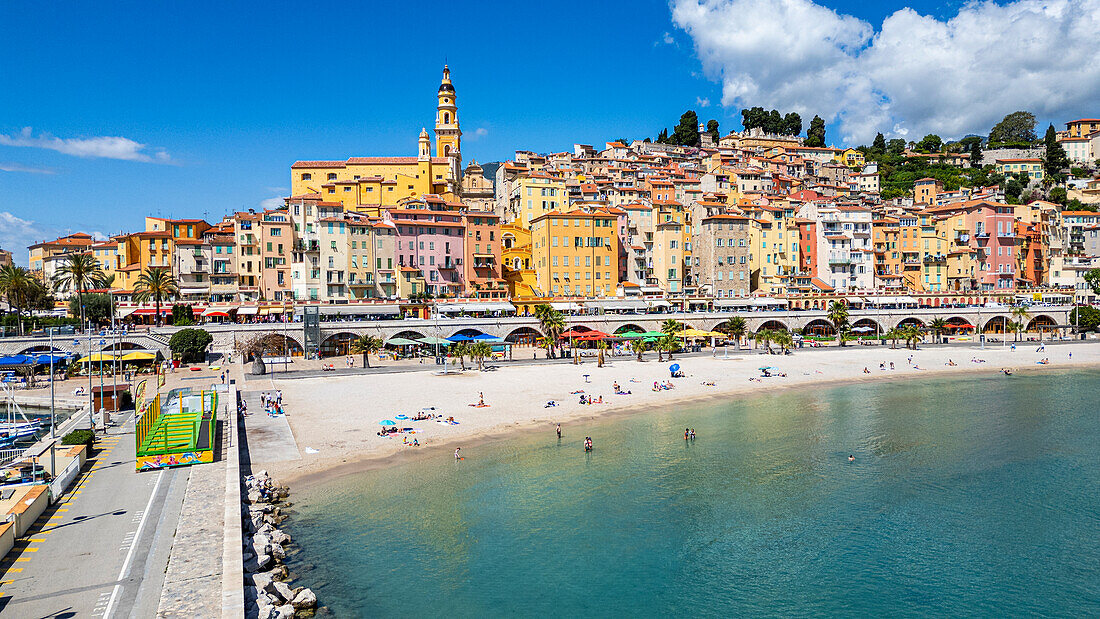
x=989 y=229
x=430 y=239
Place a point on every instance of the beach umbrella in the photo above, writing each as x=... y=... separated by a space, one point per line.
x=460 y=338
x=139 y=356
x=862 y=329
x=401 y=417
x=674 y=367
x=435 y=340
x=388 y=422
x=485 y=337
x=46 y=359
x=16 y=360
x=400 y=341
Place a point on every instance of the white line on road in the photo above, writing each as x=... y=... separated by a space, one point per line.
x=133 y=544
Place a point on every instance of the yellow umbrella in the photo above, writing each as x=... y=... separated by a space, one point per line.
x=139 y=356
x=97 y=357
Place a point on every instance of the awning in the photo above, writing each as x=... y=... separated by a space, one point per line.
x=125 y=311
x=217 y=311
x=264 y=311
x=248 y=310
x=454 y=308
x=98 y=356
x=657 y=303
x=435 y=340
x=215 y=314
x=151 y=311
x=138 y=355
x=732 y=302
x=359 y=310
x=562 y=306
x=767 y=302
x=400 y=341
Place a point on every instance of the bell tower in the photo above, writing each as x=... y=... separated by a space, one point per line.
x=448 y=137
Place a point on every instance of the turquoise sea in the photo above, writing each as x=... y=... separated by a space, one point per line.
x=971 y=496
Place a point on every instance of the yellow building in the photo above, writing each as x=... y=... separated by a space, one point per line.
x=366 y=184
x=773 y=247
x=41 y=253
x=534 y=195
x=851 y=158
x=516 y=262
x=576 y=253
x=671 y=249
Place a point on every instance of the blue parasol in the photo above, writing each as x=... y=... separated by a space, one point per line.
x=388 y=422
x=674 y=367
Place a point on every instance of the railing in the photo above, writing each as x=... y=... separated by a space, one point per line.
x=146 y=422
x=9 y=455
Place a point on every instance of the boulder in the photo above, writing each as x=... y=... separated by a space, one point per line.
x=277 y=552
x=279 y=537
x=260 y=580
x=254 y=496
x=258 y=564
x=286 y=611
x=279 y=572
x=305 y=599
x=281 y=590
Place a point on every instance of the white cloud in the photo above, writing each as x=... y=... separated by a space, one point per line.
x=17 y=234
x=952 y=77
x=270 y=203
x=667 y=38
x=478 y=133
x=702 y=101
x=104 y=147
x=18 y=167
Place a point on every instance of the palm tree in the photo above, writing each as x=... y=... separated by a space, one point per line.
x=155 y=283
x=480 y=351
x=913 y=335
x=783 y=339
x=764 y=336
x=638 y=346
x=600 y=346
x=552 y=323
x=735 y=327
x=938 y=326
x=894 y=334
x=669 y=344
x=460 y=350
x=15 y=284
x=670 y=325
x=1012 y=326
x=79 y=272
x=838 y=315
x=365 y=345
x=1021 y=316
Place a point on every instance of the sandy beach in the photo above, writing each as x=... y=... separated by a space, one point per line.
x=338 y=416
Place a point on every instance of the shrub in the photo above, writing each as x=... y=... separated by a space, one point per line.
x=190 y=344
x=79 y=437
x=126 y=401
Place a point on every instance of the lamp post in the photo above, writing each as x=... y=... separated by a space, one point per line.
x=53 y=412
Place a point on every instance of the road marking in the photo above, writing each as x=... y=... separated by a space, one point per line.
x=37 y=540
x=23 y=559
x=15 y=569
x=133 y=544
x=29 y=549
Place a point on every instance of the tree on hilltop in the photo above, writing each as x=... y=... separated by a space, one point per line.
x=712 y=129
x=687 y=132
x=896 y=147
x=792 y=124
x=1018 y=128
x=815 y=135
x=879 y=145
x=930 y=143
x=1055 y=159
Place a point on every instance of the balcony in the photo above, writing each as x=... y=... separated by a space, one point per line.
x=936 y=259
x=981 y=234
x=962 y=239
x=840 y=259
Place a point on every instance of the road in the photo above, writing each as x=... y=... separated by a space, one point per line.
x=103 y=549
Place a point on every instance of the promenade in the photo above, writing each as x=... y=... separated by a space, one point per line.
x=102 y=550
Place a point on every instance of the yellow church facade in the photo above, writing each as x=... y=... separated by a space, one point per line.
x=368 y=184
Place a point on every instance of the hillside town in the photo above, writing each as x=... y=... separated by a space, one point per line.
x=754 y=214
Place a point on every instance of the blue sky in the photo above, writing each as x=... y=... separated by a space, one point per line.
x=215 y=100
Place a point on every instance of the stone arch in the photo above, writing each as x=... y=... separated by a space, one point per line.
x=911 y=321
x=1042 y=320
x=337 y=344
x=407 y=334
x=468 y=332
x=774 y=325
x=995 y=324
x=41 y=349
x=867 y=323
x=524 y=336
x=819 y=327
x=123 y=345
x=629 y=328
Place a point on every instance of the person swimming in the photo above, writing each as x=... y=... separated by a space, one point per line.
x=851 y=458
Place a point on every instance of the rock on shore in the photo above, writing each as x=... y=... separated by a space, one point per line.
x=266 y=595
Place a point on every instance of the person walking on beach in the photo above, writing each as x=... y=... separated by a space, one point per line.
x=457 y=456
x=558 y=429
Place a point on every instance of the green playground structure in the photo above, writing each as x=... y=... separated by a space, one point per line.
x=176 y=429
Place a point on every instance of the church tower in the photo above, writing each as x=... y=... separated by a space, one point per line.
x=448 y=137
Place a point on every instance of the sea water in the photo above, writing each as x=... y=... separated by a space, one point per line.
x=972 y=495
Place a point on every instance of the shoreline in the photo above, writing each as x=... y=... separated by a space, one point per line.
x=375 y=454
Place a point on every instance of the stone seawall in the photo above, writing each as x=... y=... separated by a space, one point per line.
x=267 y=596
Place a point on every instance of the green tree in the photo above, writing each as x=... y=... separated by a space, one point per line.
x=460 y=350
x=669 y=343
x=736 y=328
x=480 y=351
x=183 y=315
x=784 y=340
x=365 y=345
x=792 y=124
x=190 y=345
x=686 y=133
x=158 y=284
x=894 y=335
x=973 y=145
x=552 y=325
x=1055 y=160
x=938 y=326
x=638 y=346
x=15 y=286
x=1013 y=189
x=1092 y=278
x=930 y=143
x=753 y=118
x=879 y=145
x=1021 y=317
x=913 y=335
x=662 y=137
x=896 y=147
x=670 y=325
x=815 y=135
x=1018 y=128
x=838 y=315
x=763 y=337
x=774 y=123
x=1085 y=318
x=1058 y=195
x=712 y=129
x=79 y=272
x=97 y=307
